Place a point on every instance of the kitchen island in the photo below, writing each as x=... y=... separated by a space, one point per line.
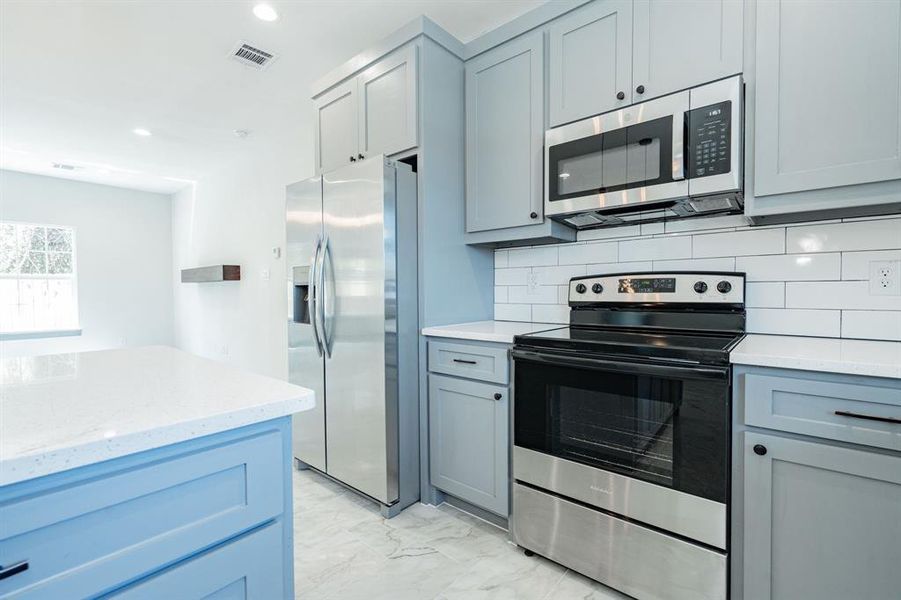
x=144 y=473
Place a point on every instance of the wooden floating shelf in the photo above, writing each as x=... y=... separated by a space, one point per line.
x=211 y=274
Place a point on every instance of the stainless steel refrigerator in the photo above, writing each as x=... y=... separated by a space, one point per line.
x=353 y=327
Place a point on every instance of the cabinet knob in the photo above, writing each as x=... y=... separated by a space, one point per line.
x=640 y=89
x=759 y=449
x=533 y=214
x=353 y=159
x=621 y=96
x=497 y=396
x=360 y=156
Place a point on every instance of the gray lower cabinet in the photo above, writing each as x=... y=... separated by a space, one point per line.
x=828 y=95
x=820 y=521
x=468 y=441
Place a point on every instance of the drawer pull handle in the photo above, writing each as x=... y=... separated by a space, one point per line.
x=845 y=413
x=13 y=569
x=465 y=362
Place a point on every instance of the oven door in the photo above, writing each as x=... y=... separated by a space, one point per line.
x=645 y=440
x=633 y=156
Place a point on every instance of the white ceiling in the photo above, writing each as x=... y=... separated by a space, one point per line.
x=76 y=77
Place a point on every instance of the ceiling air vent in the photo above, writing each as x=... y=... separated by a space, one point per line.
x=250 y=56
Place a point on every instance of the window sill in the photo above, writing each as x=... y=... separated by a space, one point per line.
x=35 y=335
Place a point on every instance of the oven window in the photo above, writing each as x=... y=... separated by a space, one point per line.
x=667 y=431
x=624 y=158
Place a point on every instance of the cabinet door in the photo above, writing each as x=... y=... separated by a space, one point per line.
x=683 y=43
x=336 y=126
x=828 y=99
x=504 y=135
x=590 y=61
x=468 y=433
x=388 y=104
x=820 y=521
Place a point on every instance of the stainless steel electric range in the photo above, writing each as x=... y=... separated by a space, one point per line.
x=622 y=432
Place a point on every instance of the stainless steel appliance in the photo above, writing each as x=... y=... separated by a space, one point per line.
x=675 y=156
x=622 y=432
x=353 y=326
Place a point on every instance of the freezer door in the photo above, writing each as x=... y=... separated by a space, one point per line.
x=360 y=327
x=306 y=363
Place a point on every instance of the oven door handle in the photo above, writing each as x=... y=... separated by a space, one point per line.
x=635 y=368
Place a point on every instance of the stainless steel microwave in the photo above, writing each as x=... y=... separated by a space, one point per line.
x=675 y=156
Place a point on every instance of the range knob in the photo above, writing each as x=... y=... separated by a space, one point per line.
x=580 y=288
x=724 y=287
x=597 y=288
x=700 y=287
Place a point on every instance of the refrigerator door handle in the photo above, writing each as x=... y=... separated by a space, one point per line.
x=313 y=294
x=322 y=299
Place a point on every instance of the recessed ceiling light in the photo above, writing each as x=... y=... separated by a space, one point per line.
x=264 y=12
x=141 y=131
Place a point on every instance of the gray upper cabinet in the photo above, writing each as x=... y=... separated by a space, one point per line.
x=388 y=104
x=336 y=126
x=504 y=135
x=374 y=112
x=468 y=441
x=683 y=43
x=828 y=99
x=820 y=521
x=590 y=69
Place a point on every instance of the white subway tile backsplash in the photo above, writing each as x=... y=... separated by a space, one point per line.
x=513 y=312
x=765 y=295
x=550 y=313
x=881 y=234
x=819 y=323
x=592 y=252
x=532 y=257
x=542 y=294
x=619 y=267
x=511 y=276
x=803 y=279
x=609 y=232
x=558 y=275
x=856 y=265
x=655 y=248
x=871 y=324
x=740 y=243
x=696 y=264
x=791 y=267
x=849 y=295
x=500 y=258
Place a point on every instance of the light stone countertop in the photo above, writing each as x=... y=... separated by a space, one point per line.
x=62 y=411
x=488 y=331
x=830 y=355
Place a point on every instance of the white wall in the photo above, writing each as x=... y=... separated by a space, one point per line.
x=236 y=216
x=803 y=279
x=123 y=253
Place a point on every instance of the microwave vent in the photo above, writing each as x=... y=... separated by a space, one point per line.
x=713 y=204
x=585 y=220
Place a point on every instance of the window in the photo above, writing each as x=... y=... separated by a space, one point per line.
x=37 y=278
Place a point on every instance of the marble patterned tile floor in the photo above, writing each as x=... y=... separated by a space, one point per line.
x=345 y=550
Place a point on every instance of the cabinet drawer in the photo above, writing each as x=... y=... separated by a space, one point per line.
x=466 y=360
x=86 y=537
x=250 y=567
x=854 y=413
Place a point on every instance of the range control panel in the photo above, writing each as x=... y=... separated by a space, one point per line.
x=710 y=140
x=675 y=288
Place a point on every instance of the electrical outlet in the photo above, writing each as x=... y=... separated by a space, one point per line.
x=264 y=274
x=885 y=278
x=532 y=283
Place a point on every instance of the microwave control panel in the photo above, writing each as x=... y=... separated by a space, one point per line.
x=710 y=140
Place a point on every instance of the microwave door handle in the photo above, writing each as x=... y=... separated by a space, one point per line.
x=634 y=368
x=680 y=145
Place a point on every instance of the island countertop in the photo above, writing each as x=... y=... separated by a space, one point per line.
x=62 y=411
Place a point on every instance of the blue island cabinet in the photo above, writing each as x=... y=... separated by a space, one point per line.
x=206 y=518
